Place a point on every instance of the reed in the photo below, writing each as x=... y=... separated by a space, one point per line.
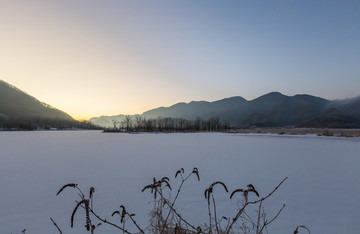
x=165 y=217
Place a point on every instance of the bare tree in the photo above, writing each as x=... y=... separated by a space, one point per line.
x=127 y=122
x=139 y=123
x=115 y=123
x=167 y=124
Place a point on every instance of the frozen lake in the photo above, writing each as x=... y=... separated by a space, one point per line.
x=322 y=191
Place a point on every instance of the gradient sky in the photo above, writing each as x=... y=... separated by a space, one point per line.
x=91 y=58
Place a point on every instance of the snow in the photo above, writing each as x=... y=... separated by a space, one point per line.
x=321 y=192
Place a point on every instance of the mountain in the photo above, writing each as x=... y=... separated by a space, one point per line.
x=195 y=109
x=349 y=106
x=332 y=118
x=278 y=109
x=18 y=104
x=270 y=110
x=107 y=121
x=20 y=111
x=274 y=109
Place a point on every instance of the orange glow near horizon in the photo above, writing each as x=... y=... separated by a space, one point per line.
x=91 y=58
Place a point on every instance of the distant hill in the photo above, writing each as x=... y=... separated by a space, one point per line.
x=20 y=111
x=195 y=109
x=107 y=121
x=276 y=109
x=16 y=103
x=270 y=110
x=349 y=106
x=332 y=118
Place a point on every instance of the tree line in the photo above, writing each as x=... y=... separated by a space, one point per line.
x=29 y=124
x=139 y=123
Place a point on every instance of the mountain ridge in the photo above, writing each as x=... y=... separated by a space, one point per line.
x=269 y=110
x=21 y=111
x=273 y=109
x=17 y=103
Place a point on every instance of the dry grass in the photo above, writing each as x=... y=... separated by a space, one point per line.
x=166 y=219
x=301 y=131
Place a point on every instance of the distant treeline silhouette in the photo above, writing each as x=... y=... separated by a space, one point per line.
x=29 y=124
x=166 y=124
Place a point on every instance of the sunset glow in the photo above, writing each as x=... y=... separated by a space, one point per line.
x=92 y=58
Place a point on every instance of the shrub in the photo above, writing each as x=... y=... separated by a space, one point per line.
x=166 y=219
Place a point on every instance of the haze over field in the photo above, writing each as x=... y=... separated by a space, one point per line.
x=91 y=58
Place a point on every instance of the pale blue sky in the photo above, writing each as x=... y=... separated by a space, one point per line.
x=93 y=58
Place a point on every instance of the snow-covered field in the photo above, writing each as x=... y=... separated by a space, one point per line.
x=322 y=191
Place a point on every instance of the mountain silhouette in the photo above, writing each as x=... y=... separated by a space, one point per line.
x=270 y=110
x=15 y=103
x=20 y=111
x=332 y=118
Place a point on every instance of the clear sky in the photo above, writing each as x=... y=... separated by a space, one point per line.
x=91 y=58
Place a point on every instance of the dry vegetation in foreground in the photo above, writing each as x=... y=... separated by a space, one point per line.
x=301 y=131
x=165 y=217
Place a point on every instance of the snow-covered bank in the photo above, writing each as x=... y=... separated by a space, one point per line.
x=321 y=192
x=337 y=132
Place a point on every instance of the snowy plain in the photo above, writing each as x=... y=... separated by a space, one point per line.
x=322 y=190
